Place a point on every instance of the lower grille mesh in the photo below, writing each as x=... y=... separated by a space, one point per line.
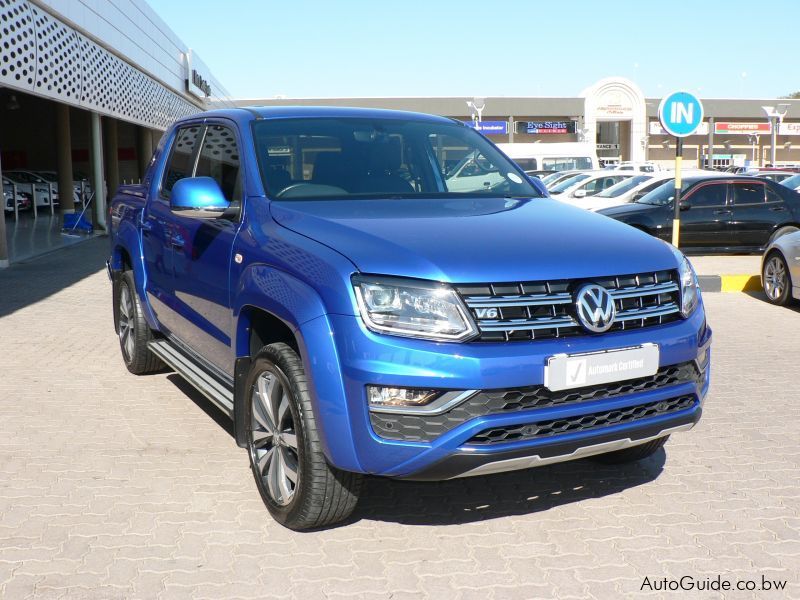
x=543 y=429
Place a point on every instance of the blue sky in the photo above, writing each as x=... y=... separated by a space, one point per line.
x=332 y=48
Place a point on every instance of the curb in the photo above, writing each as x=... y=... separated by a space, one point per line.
x=729 y=283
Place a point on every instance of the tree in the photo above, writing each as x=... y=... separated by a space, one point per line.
x=792 y=96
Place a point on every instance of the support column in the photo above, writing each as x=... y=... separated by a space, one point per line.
x=98 y=179
x=112 y=154
x=145 y=149
x=710 y=143
x=66 y=196
x=3 y=240
x=511 y=129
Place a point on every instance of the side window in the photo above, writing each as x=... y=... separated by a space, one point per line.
x=219 y=159
x=180 y=160
x=773 y=196
x=709 y=195
x=748 y=193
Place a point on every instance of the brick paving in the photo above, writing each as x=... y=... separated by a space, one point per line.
x=116 y=486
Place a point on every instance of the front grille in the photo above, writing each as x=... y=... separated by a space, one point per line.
x=599 y=420
x=489 y=402
x=545 y=309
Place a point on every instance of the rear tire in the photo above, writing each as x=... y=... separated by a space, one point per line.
x=298 y=486
x=775 y=279
x=132 y=328
x=629 y=455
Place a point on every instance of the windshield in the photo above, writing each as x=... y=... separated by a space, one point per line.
x=367 y=158
x=623 y=186
x=47 y=176
x=663 y=194
x=568 y=182
x=567 y=163
x=553 y=177
x=791 y=182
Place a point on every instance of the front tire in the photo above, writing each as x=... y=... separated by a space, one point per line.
x=132 y=328
x=633 y=454
x=775 y=279
x=300 y=489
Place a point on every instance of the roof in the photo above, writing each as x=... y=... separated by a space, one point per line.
x=284 y=112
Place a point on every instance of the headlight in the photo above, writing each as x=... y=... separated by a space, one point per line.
x=690 y=290
x=412 y=308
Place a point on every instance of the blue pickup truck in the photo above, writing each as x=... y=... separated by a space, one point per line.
x=360 y=299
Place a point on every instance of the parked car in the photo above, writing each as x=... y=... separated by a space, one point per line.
x=780 y=269
x=559 y=176
x=626 y=165
x=35 y=185
x=793 y=182
x=587 y=185
x=557 y=156
x=541 y=173
x=79 y=183
x=631 y=189
x=776 y=176
x=354 y=316
x=720 y=213
x=23 y=198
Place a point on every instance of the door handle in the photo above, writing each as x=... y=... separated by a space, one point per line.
x=777 y=208
x=722 y=212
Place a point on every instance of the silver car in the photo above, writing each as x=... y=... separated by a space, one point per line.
x=780 y=269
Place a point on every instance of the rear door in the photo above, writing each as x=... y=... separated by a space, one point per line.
x=202 y=253
x=757 y=211
x=157 y=227
x=705 y=221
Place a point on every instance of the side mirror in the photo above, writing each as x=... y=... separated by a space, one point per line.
x=636 y=196
x=579 y=194
x=685 y=205
x=198 y=198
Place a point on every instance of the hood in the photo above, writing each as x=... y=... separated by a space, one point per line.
x=475 y=240
x=631 y=208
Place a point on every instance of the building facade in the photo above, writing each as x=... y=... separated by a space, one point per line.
x=615 y=115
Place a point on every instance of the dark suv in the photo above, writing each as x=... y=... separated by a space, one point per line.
x=718 y=213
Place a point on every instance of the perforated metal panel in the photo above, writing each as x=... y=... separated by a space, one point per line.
x=17 y=45
x=58 y=57
x=41 y=54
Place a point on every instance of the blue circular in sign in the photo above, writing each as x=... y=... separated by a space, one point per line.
x=680 y=113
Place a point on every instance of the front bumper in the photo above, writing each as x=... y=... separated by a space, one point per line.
x=343 y=357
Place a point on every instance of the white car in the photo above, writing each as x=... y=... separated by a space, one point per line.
x=586 y=185
x=473 y=172
x=792 y=182
x=780 y=269
x=632 y=189
x=33 y=184
x=52 y=177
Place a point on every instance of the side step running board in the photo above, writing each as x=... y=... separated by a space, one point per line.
x=206 y=384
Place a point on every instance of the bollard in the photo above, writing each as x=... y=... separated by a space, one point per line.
x=14 y=200
x=83 y=194
x=52 y=203
x=33 y=202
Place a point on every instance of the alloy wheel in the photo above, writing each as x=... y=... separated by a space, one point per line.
x=273 y=438
x=125 y=327
x=775 y=280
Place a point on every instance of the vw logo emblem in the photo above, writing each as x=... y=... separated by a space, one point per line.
x=595 y=307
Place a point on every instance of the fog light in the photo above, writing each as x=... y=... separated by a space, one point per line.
x=380 y=396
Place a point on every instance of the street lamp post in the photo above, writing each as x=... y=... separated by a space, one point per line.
x=476 y=105
x=775 y=114
x=754 y=142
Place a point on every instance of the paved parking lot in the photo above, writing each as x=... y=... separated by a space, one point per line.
x=115 y=486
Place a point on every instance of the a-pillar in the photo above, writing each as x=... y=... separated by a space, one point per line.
x=98 y=179
x=66 y=195
x=112 y=154
x=145 y=149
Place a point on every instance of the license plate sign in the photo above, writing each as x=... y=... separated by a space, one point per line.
x=567 y=371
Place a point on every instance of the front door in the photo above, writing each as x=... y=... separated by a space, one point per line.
x=158 y=228
x=705 y=220
x=202 y=255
